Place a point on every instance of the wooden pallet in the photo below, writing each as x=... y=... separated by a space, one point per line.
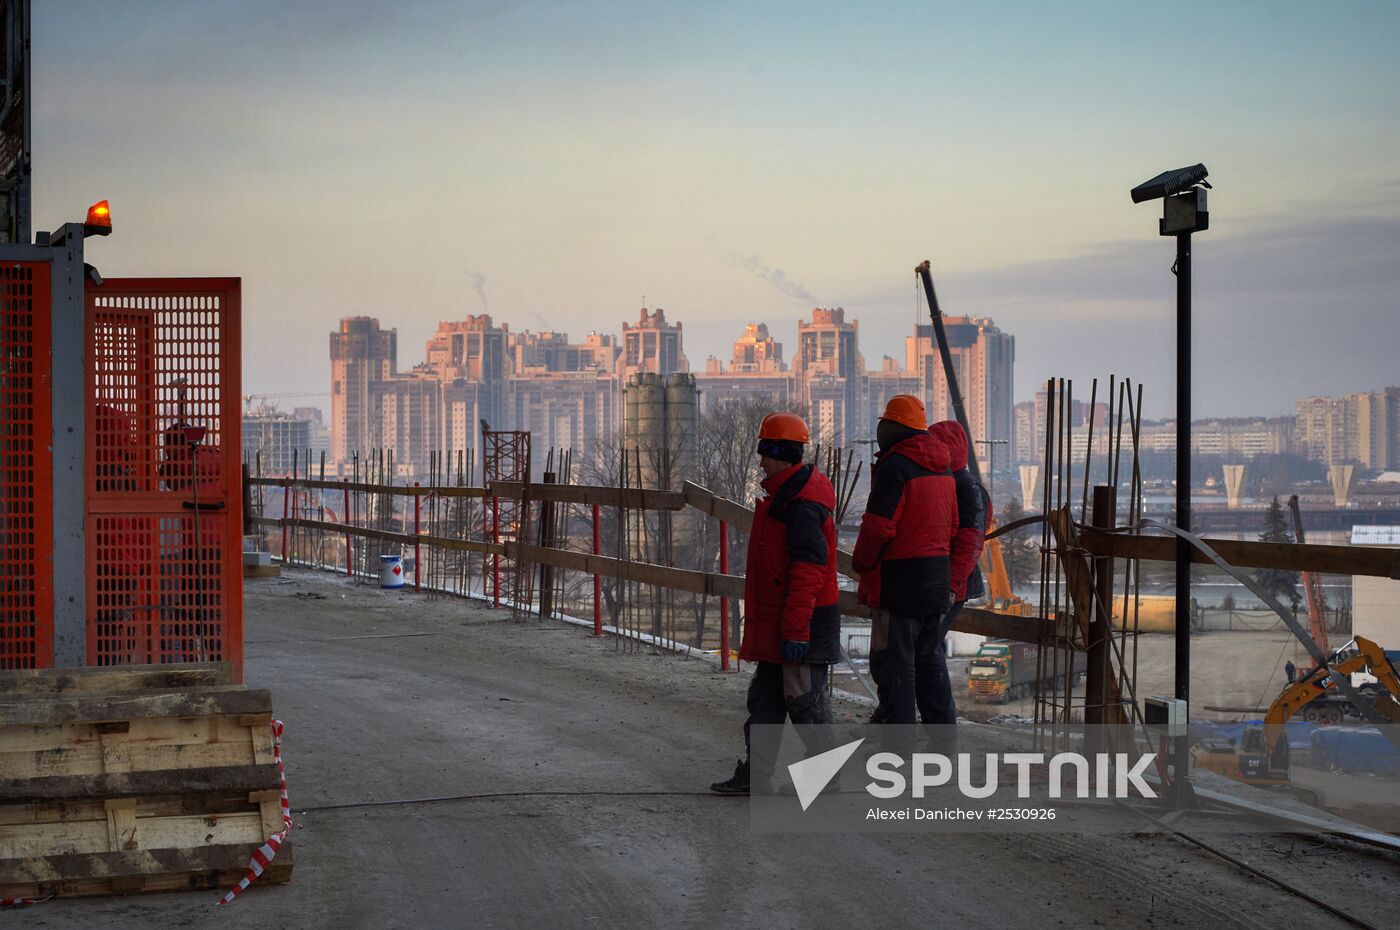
x=141 y=778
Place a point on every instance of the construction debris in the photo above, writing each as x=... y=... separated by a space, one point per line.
x=134 y=779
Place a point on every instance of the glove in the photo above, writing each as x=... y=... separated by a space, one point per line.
x=793 y=651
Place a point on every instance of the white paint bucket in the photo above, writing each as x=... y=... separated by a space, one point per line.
x=391 y=571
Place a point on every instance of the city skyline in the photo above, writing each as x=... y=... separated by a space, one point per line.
x=572 y=394
x=736 y=164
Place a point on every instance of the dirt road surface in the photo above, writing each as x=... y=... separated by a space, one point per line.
x=592 y=763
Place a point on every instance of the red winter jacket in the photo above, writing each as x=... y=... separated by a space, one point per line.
x=790 y=585
x=974 y=516
x=908 y=527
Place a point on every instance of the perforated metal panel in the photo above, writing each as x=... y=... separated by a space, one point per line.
x=26 y=468
x=163 y=506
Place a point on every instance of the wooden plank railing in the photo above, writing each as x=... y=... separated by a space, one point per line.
x=1373 y=561
x=1351 y=560
x=363 y=532
x=362 y=487
x=969 y=620
x=632 y=498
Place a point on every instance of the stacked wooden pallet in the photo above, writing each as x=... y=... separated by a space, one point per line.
x=138 y=778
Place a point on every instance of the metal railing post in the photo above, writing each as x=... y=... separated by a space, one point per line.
x=597 y=579
x=349 y=559
x=286 y=501
x=417 y=529
x=496 y=556
x=723 y=601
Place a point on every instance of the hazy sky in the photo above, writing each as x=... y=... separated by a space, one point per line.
x=553 y=163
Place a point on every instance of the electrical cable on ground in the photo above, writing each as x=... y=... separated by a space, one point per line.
x=496 y=795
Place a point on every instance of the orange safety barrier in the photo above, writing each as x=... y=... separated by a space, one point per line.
x=163 y=502
x=26 y=467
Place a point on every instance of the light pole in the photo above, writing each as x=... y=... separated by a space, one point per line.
x=991 y=445
x=1184 y=212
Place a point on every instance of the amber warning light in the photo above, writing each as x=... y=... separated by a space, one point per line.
x=99 y=220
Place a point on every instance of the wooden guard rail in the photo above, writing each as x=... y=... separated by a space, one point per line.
x=362 y=532
x=713 y=584
x=1372 y=561
x=330 y=484
x=1347 y=560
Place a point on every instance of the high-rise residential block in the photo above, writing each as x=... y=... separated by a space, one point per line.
x=571 y=395
x=984 y=360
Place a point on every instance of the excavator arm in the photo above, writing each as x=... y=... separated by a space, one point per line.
x=1367 y=657
x=998 y=583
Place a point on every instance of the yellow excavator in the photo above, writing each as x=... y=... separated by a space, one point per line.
x=1001 y=598
x=1260 y=757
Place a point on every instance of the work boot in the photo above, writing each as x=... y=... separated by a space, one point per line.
x=737 y=785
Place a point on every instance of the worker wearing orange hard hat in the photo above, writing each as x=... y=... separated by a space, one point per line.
x=936 y=703
x=902 y=552
x=792 y=624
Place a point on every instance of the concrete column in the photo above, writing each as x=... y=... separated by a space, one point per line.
x=1030 y=478
x=1343 y=477
x=1234 y=484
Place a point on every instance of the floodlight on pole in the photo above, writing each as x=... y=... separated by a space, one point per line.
x=1184 y=211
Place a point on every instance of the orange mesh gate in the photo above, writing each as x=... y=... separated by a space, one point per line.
x=163 y=512
x=26 y=467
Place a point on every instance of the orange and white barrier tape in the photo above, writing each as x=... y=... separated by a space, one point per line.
x=262 y=858
x=22 y=902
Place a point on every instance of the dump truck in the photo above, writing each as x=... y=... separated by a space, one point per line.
x=1003 y=671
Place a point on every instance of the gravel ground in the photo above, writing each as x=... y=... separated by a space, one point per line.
x=391 y=696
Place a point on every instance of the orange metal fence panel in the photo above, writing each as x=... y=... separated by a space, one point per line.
x=26 y=467
x=164 y=508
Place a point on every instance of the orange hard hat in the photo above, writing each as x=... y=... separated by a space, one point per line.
x=786 y=426
x=906 y=409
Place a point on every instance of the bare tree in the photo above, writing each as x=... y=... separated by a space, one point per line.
x=727 y=464
x=726 y=460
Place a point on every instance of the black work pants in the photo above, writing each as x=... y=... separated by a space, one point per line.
x=933 y=687
x=779 y=692
x=911 y=671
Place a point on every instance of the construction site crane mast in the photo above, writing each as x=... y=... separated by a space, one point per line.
x=1312 y=586
x=998 y=583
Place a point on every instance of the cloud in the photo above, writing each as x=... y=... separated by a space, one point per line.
x=1284 y=306
x=1344 y=260
x=774 y=276
x=1282 y=309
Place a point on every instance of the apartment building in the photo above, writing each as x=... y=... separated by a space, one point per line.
x=570 y=395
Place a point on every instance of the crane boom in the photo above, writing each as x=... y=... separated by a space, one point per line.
x=998 y=584
x=950 y=374
x=1312 y=586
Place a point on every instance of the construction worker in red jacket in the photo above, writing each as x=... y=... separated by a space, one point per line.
x=936 y=704
x=902 y=554
x=792 y=623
